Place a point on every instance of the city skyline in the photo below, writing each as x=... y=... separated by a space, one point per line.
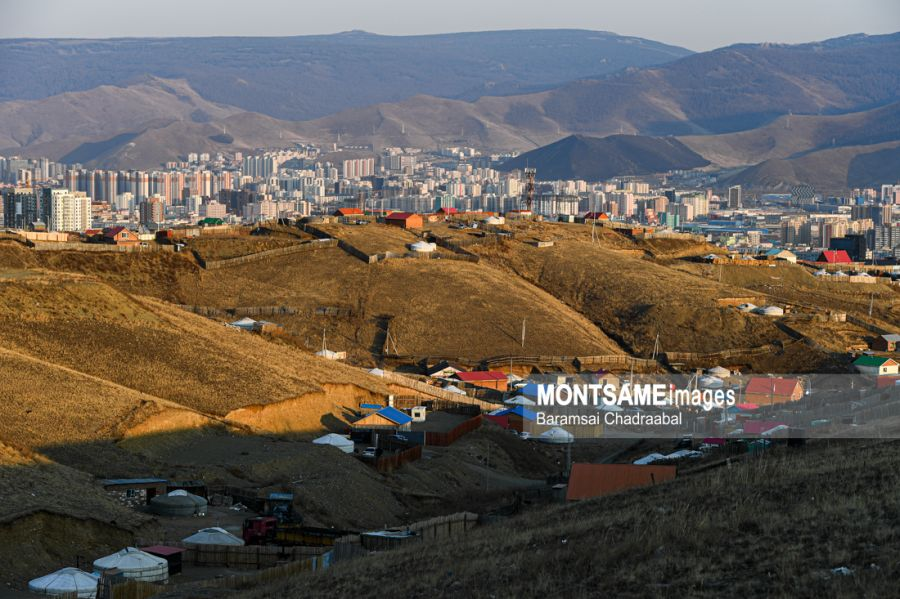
x=715 y=24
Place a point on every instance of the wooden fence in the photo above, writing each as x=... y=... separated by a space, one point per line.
x=433 y=529
x=241 y=311
x=725 y=354
x=389 y=463
x=450 y=437
x=437 y=392
x=242 y=557
x=142 y=590
x=303 y=246
x=55 y=246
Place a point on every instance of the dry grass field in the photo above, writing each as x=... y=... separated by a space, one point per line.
x=222 y=248
x=373 y=238
x=738 y=531
x=633 y=298
x=159 y=350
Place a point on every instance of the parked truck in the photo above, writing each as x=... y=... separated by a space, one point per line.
x=267 y=530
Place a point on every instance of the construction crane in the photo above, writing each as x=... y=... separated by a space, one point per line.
x=529 y=188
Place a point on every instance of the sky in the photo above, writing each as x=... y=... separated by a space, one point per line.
x=694 y=24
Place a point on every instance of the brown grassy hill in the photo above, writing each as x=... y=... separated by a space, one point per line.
x=435 y=307
x=633 y=298
x=831 y=170
x=775 y=526
x=793 y=135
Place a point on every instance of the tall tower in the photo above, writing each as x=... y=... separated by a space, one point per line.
x=529 y=188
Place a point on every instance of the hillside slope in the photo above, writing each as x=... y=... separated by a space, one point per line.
x=422 y=300
x=740 y=531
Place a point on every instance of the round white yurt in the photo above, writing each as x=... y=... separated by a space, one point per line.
x=770 y=311
x=747 y=307
x=135 y=564
x=335 y=440
x=520 y=400
x=556 y=435
x=70 y=582
x=710 y=382
x=178 y=503
x=213 y=536
x=719 y=372
x=423 y=247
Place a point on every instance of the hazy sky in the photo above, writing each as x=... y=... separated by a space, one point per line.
x=695 y=24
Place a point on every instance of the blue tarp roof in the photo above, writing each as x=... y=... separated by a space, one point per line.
x=530 y=390
x=394 y=415
x=519 y=411
x=370 y=406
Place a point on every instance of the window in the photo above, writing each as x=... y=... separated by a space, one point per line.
x=131 y=493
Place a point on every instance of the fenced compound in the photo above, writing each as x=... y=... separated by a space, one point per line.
x=56 y=246
x=143 y=590
x=614 y=360
x=303 y=246
x=246 y=557
x=726 y=354
x=210 y=311
x=433 y=529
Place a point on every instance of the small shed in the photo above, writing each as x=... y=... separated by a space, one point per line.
x=172 y=555
x=889 y=342
x=385 y=418
x=135 y=491
x=404 y=220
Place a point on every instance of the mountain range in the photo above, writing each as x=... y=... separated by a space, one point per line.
x=824 y=113
x=305 y=77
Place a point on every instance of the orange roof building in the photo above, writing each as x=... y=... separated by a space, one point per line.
x=595 y=480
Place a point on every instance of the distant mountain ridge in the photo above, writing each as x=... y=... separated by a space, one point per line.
x=305 y=77
x=825 y=113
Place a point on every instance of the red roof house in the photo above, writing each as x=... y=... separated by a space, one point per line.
x=492 y=379
x=404 y=220
x=347 y=212
x=764 y=391
x=120 y=236
x=834 y=257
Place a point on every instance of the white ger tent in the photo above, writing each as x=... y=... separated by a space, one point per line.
x=556 y=435
x=70 y=582
x=135 y=564
x=335 y=440
x=213 y=536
